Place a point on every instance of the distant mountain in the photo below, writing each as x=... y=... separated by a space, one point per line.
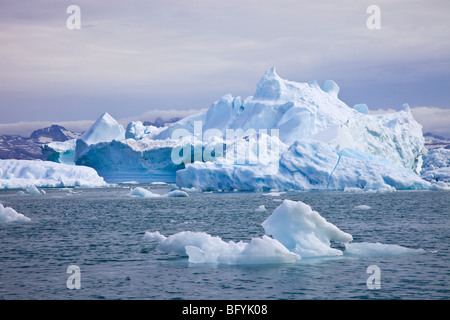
x=433 y=141
x=52 y=133
x=159 y=122
x=17 y=147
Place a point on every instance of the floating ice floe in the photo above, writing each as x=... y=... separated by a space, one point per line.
x=8 y=214
x=362 y=207
x=367 y=249
x=140 y=192
x=296 y=231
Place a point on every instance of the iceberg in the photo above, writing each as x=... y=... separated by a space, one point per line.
x=177 y=194
x=29 y=174
x=296 y=232
x=288 y=135
x=104 y=129
x=8 y=214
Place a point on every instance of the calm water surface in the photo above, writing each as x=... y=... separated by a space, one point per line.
x=101 y=231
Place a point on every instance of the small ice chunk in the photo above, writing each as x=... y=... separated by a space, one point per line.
x=201 y=247
x=33 y=190
x=177 y=193
x=362 y=207
x=274 y=194
x=367 y=249
x=261 y=208
x=154 y=236
x=140 y=192
x=8 y=214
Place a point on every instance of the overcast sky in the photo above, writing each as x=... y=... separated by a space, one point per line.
x=132 y=57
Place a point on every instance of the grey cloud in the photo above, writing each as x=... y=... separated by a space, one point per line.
x=197 y=50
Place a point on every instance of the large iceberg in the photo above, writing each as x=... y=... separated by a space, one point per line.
x=24 y=174
x=293 y=231
x=288 y=135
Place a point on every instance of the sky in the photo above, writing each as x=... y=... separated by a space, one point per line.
x=138 y=59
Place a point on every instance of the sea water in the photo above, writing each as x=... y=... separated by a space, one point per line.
x=101 y=232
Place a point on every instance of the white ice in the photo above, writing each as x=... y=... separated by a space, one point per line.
x=140 y=192
x=201 y=247
x=362 y=207
x=261 y=208
x=296 y=232
x=8 y=214
x=436 y=166
x=33 y=190
x=367 y=249
x=303 y=230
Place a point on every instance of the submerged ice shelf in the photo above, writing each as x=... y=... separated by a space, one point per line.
x=293 y=231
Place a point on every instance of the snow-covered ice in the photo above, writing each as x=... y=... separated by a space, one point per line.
x=8 y=214
x=23 y=174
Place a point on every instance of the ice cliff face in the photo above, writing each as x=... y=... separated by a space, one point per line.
x=315 y=140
